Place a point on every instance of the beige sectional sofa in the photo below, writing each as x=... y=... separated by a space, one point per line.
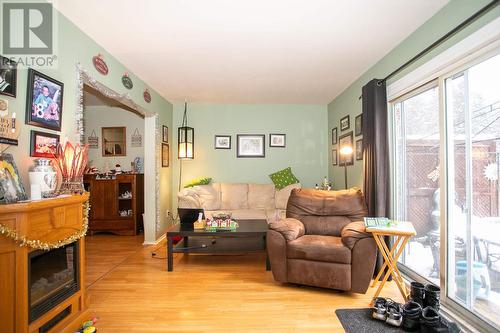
x=244 y=201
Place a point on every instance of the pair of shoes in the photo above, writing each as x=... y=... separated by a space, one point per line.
x=387 y=310
x=427 y=295
x=411 y=316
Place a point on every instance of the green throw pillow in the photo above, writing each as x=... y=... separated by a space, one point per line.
x=198 y=181
x=283 y=178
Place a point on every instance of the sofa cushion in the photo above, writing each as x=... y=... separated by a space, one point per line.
x=275 y=215
x=209 y=196
x=283 y=178
x=282 y=195
x=319 y=248
x=261 y=196
x=234 y=196
x=326 y=212
x=324 y=225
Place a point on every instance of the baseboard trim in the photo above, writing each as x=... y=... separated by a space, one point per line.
x=157 y=241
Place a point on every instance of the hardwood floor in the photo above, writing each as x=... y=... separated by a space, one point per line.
x=132 y=292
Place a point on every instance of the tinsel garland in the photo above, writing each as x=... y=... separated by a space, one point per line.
x=83 y=77
x=40 y=245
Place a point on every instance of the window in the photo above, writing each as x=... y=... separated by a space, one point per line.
x=473 y=228
x=416 y=120
x=447 y=133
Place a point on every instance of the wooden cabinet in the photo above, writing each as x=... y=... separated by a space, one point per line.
x=48 y=220
x=116 y=205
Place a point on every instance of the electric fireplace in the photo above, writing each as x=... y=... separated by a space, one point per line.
x=52 y=278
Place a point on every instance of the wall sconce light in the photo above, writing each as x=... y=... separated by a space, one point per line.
x=185 y=138
x=345 y=151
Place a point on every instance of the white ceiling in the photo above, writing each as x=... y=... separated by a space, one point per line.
x=253 y=51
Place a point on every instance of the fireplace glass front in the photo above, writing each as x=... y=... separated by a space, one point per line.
x=53 y=277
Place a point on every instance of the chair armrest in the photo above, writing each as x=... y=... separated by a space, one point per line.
x=290 y=228
x=353 y=232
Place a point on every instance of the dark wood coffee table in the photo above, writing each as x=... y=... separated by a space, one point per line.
x=250 y=236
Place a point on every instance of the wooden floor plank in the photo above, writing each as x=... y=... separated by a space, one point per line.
x=131 y=291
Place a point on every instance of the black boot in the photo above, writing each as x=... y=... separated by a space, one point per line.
x=432 y=296
x=417 y=293
x=430 y=321
x=411 y=316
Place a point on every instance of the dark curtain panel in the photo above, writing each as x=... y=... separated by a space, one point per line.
x=376 y=152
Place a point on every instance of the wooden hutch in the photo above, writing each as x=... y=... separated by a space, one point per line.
x=116 y=203
x=29 y=300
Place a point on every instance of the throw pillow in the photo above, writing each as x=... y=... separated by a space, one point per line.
x=283 y=178
x=198 y=181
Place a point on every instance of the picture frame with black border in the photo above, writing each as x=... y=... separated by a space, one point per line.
x=335 y=157
x=43 y=144
x=222 y=142
x=358 y=125
x=345 y=123
x=165 y=155
x=44 y=102
x=8 y=77
x=277 y=140
x=250 y=146
x=164 y=134
x=359 y=149
x=335 y=136
x=346 y=140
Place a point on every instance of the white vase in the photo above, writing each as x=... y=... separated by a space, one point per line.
x=44 y=174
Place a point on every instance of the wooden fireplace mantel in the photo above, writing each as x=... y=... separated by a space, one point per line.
x=47 y=220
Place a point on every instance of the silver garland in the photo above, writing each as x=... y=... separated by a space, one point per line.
x=84 y=77
x=158 y=140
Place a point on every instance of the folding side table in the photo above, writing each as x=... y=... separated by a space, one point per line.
x=402 y=232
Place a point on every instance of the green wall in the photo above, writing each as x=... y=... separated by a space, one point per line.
x=306 y=142
x=76 y=47
x=99 y=116
x=348 y=102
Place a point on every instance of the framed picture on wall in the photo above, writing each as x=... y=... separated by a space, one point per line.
x=164 y=132
x=8 y=77
x=277 y=140
x=346 y=140
x=250 y=145
x=358 y=125
x=359 y=149
x=43 y=144
x=335 y=157
x=334 y=136
x=165 y=155
x=345 y=123
x=222 y=142
x=45 y=101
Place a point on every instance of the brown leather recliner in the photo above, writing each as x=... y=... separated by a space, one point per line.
x=323 y=241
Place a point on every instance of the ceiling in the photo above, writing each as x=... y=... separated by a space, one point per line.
x=254 y=51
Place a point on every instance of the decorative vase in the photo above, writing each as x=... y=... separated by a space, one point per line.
x=44 y=174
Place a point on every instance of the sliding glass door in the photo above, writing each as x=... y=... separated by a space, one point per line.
x=416 y=129
x=473 y=202
x=446 y=170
